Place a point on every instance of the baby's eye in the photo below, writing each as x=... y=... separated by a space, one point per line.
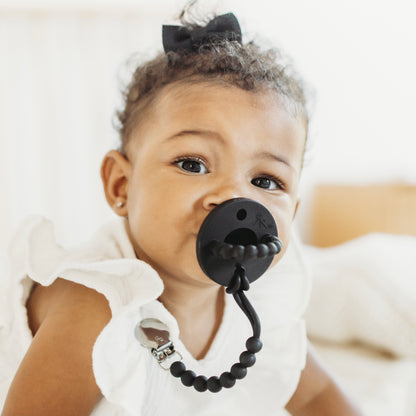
x=267 y=182
x=193 y=165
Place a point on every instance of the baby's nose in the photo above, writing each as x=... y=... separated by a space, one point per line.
x=221 y=194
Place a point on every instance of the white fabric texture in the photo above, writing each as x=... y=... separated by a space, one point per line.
x=380 y=384
x=129 y=377
x=362 y=319
x=365 y=290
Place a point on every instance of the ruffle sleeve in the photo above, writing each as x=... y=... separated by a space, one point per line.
x=106 y=263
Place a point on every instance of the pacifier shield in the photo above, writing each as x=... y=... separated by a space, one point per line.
x=238 y=224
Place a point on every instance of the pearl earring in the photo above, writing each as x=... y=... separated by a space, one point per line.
x=120 y=204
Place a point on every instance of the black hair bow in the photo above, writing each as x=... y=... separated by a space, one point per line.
x=180 y=38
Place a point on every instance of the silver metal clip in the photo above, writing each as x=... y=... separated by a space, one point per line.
x=154 y=335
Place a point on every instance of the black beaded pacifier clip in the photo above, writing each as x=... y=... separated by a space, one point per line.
x=235 y=246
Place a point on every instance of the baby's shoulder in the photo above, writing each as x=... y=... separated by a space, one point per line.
x=64 y=298
x=68 y=317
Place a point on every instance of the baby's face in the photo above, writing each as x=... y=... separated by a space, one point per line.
x=199 y=146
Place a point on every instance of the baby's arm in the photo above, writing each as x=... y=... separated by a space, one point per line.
x=318 y=394
x=56 y=377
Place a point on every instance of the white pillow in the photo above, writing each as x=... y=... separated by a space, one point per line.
x=365 y=291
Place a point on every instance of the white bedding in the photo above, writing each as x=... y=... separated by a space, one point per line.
x=362 y=319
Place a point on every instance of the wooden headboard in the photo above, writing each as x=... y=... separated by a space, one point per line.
x=343 y=212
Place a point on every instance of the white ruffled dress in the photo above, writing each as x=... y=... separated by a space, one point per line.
x=130 y=378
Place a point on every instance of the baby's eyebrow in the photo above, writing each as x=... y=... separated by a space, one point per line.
x=214 y=135
x=272 y=156
x=205 y=133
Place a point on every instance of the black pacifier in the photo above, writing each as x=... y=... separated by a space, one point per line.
x=240 y=232
x=235 y=245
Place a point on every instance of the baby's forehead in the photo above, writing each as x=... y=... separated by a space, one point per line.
x=203 y=100
x=191 y=94
x=220 y=109
x=201 y=103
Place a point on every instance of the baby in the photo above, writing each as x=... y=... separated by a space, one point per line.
x=208 y=120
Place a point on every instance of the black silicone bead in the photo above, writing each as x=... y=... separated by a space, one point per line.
x=238 y=252
x=251 y=251
x=177 y=368
x=214 y=384
x=227 y=380
x=272 y=248
x=188 y=378
x=247 y=358
x=263 y=250
x=253 y=344
x=200 y=383
x=238 y=371
x=226 y=251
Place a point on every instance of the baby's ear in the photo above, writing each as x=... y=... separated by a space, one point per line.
x=115 y=174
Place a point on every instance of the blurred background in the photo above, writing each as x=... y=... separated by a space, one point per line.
x=63 y=63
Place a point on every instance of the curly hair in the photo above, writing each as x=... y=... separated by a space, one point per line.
x=246 y=66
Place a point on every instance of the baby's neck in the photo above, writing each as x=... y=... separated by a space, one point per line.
x=198 y=312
